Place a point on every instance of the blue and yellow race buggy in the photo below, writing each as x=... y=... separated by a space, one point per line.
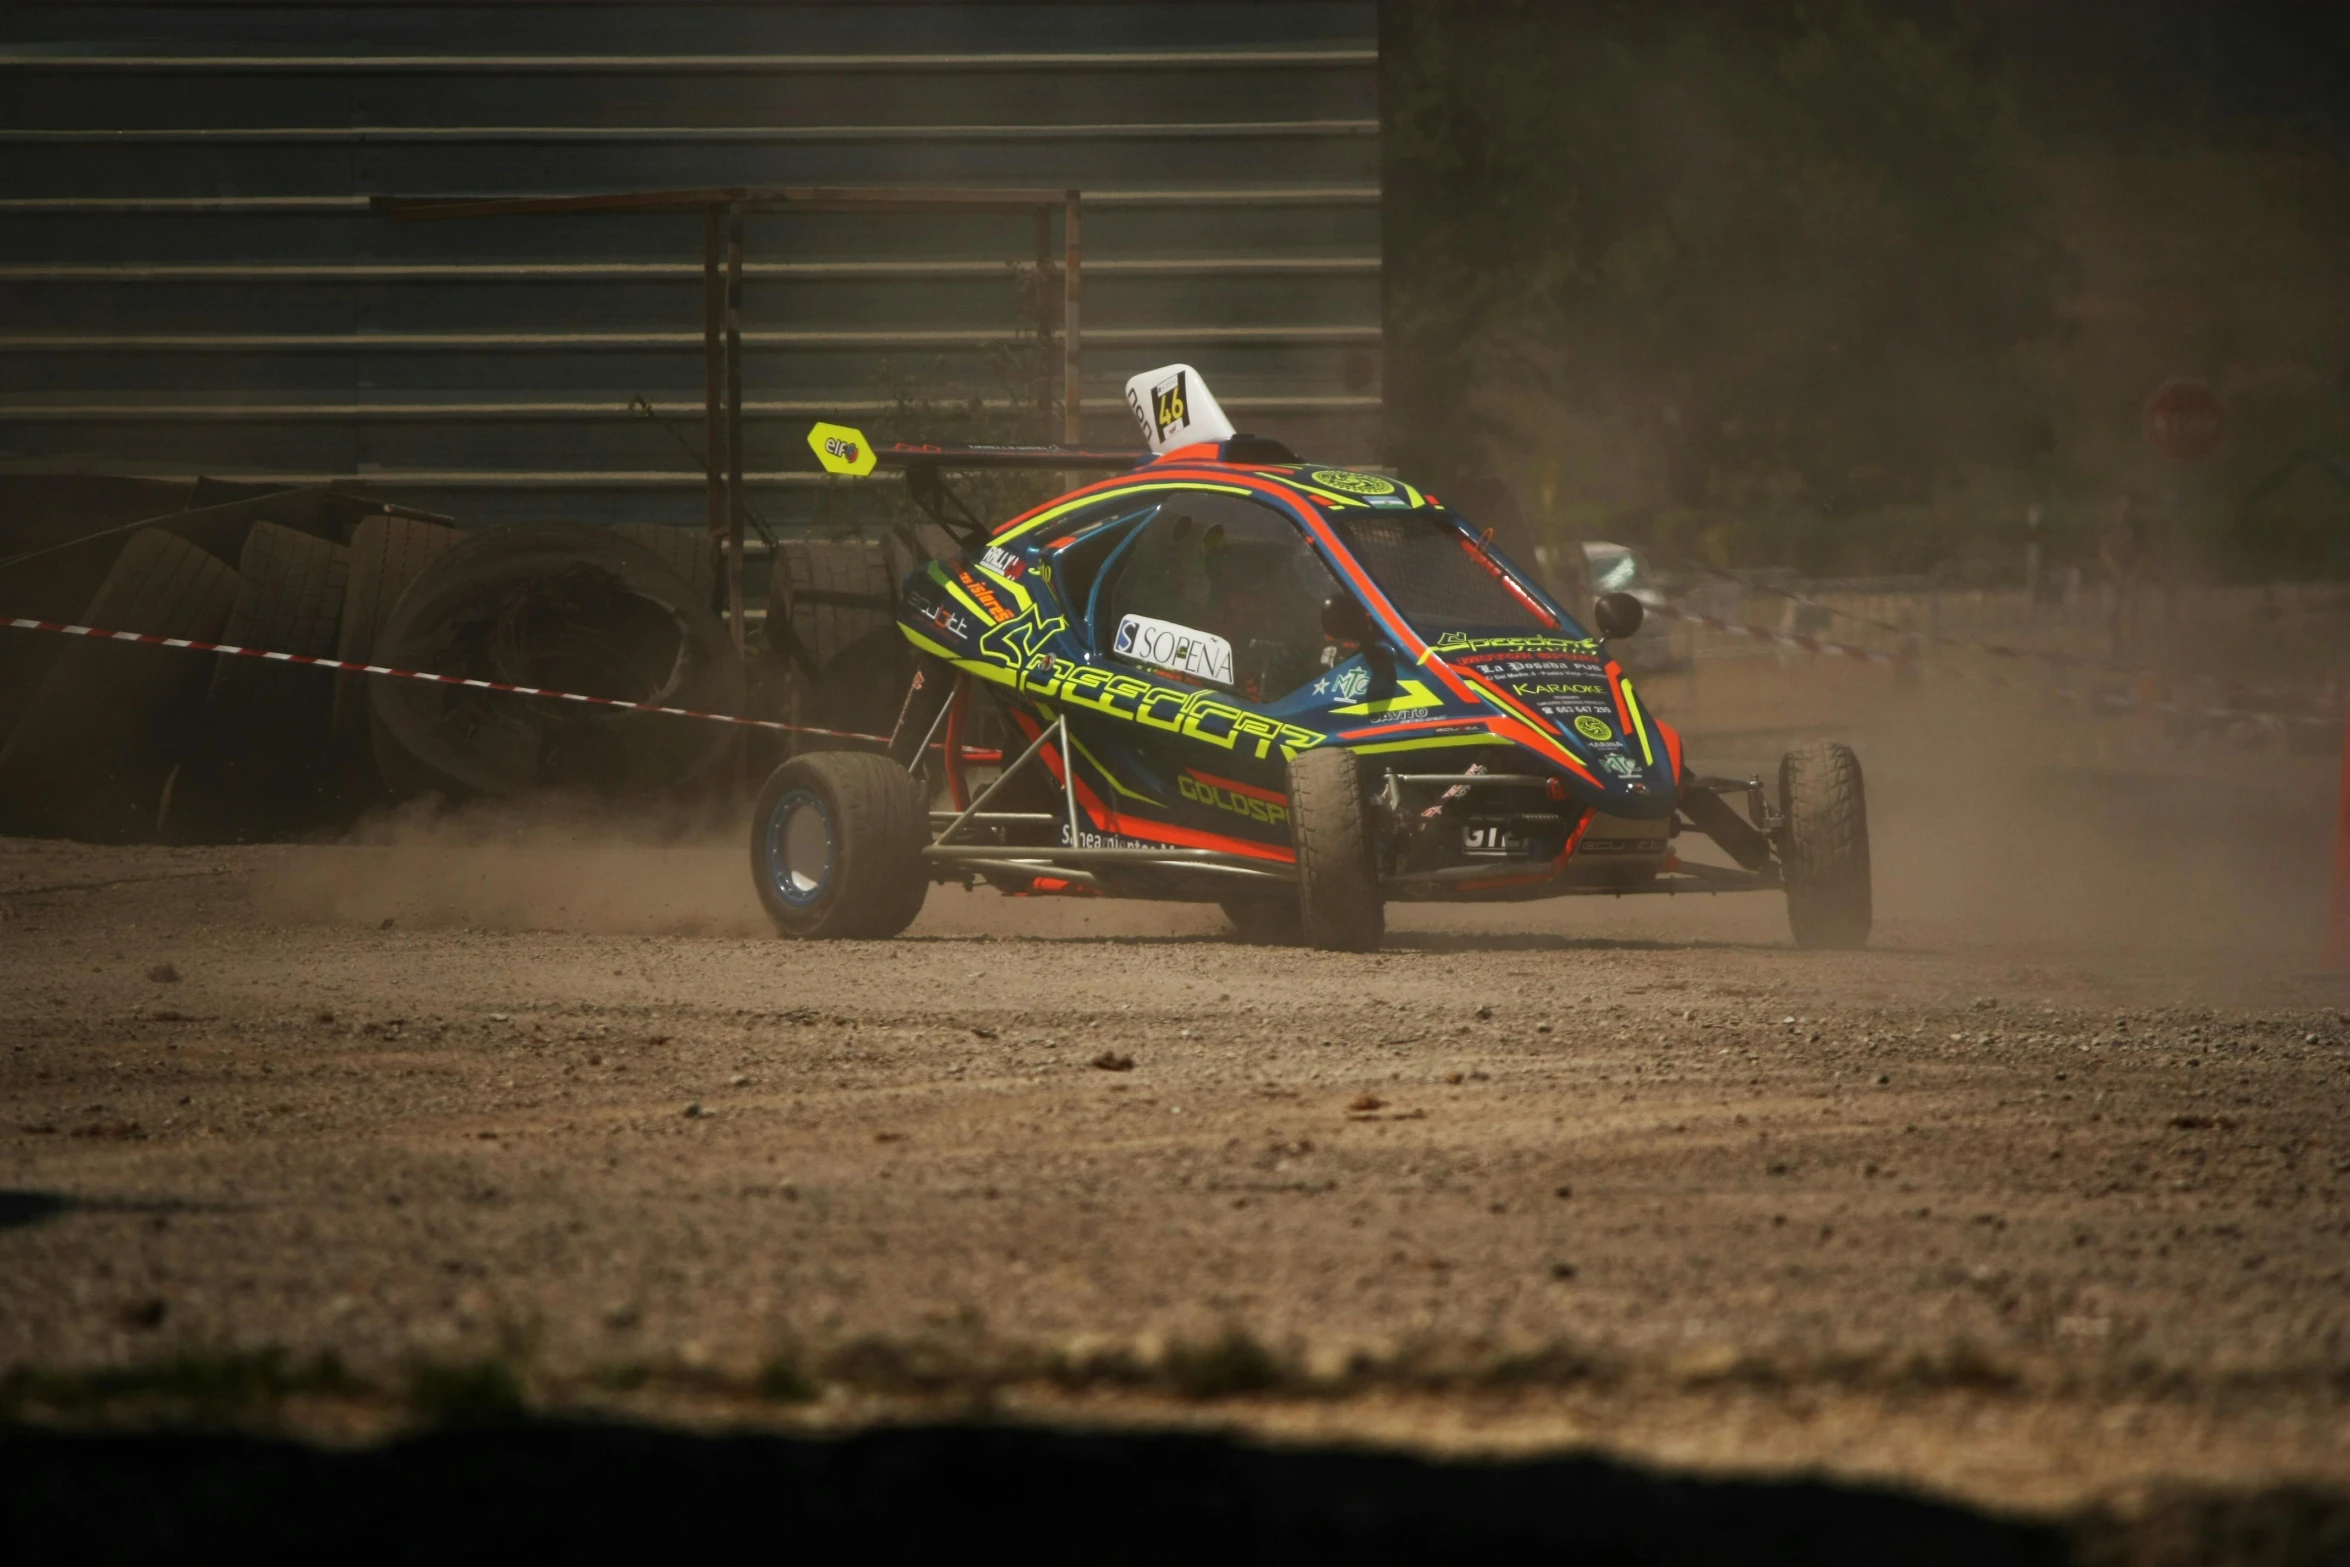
x=1300 y=692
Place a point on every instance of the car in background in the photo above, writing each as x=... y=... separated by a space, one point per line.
x=1620 y=568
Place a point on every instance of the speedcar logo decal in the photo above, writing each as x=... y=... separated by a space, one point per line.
x=1018 y=642
x=1195 y=715
x=1461 y=642
x=1200 y=654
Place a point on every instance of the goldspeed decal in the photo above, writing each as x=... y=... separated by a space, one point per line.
x=1258 y=805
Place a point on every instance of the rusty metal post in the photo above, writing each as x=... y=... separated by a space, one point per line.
x=734 y=422
x=713 y=379
x=1072 y=295
x=1044 y=323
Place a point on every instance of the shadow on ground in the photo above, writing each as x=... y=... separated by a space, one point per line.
x=1045 y=1494
x=20 y=1207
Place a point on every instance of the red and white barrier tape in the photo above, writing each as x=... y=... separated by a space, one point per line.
x=2266 y=693
x=346 y=666
x=1829 y=649
x=1789 y=639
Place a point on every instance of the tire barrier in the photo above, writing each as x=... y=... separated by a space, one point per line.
x=91 y=753
x=359 y=655
x=832 y=627
x=562 y=606
x=387 y=554
x=257 y=763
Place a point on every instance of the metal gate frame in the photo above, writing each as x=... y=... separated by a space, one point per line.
x=723 y=211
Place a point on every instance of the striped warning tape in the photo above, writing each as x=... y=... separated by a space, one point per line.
x=1832 y=649
x=1793 y=639
x=346 y=666
x=2062 y=660
x=1790 y=639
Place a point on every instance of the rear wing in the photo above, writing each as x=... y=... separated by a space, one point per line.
x=842 y=450
x=903 y=454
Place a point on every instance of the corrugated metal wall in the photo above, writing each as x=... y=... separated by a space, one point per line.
x=191 y=280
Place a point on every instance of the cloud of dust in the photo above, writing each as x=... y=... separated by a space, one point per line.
x=2010 y=818
x=1999 y=818
x=563 y=865
x=523 y=865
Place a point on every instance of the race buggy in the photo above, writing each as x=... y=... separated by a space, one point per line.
x=1299 y=692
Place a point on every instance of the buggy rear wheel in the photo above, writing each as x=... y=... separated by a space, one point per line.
x=1337 y=883
x=1824 y=846
x=836 y=846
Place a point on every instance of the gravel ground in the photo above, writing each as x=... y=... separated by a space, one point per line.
x=2029 y=1210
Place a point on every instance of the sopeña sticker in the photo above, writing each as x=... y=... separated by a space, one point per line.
x=1200 y=654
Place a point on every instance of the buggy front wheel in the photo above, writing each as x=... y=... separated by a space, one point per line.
x=1337 y=882
x=1824 y=846
x=836 y=846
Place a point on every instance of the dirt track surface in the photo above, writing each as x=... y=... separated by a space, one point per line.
x=2019 y=1218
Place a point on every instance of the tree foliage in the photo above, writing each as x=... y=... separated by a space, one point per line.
x=1726 y=260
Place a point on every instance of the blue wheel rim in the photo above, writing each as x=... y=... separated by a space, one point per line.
x=799 y=848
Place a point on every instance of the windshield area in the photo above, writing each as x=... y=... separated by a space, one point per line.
x=1439 y=576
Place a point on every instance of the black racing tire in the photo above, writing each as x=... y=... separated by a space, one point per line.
x=564 y=607
x=688 y=552
x=1339 y=906
x=1824 y=846
x=1266 y=921
x=832 y=622
x=836 y=846
x=89 y=756
x=387 y=554
x=263 y=751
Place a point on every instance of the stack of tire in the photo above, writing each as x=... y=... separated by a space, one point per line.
x=832 y=638
x=123 y=742
x=564 y=607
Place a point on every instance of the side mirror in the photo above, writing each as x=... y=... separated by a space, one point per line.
x=1345 y=620
x=1617 y=615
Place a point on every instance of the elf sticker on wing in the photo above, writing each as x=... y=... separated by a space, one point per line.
x=1200 y=654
